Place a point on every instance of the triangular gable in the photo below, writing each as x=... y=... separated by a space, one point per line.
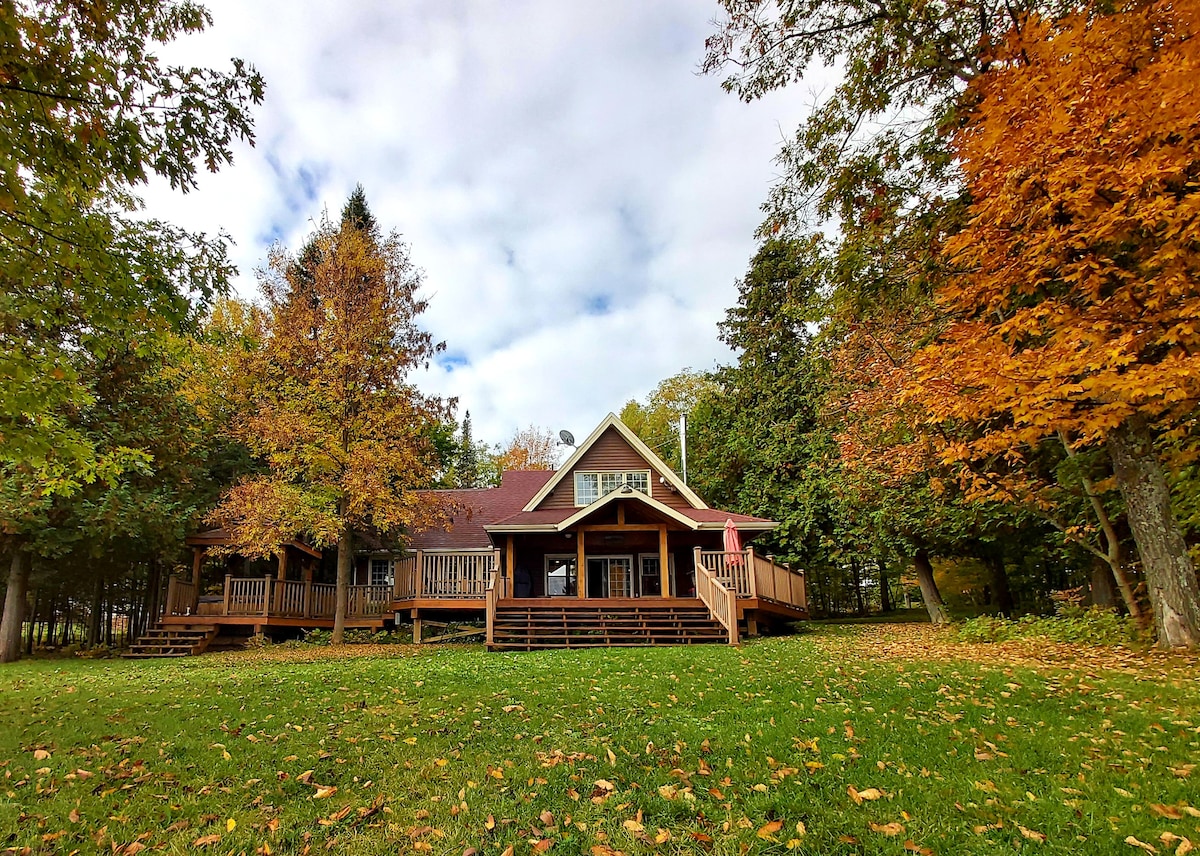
x=632 y=495
x=653 y=462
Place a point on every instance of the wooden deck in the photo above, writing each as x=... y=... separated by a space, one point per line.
x=733 y=591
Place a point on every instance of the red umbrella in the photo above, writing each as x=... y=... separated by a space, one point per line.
x=733 y=543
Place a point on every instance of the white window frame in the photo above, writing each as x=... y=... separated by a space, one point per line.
x=555 y=559
x=390 y=576
x=616 y=480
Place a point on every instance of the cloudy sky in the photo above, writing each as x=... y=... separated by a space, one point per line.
x=581 y=200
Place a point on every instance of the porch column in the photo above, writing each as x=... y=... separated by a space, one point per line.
x=664 y=566
x=580 y=564
x=510 y=553
x=283 y=562
x=197 y=564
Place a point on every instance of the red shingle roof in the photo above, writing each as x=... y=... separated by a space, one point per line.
x=482 y=506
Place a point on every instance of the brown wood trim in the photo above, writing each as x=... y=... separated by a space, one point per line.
x=440 y=603
x=618 y=527
x=581 y=565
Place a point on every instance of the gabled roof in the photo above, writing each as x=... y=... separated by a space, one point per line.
x=481 y=506
x=646 y=453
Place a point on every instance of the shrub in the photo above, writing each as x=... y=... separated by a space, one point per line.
x=1093 y=626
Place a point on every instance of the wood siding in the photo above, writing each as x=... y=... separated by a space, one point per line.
x=610 y=453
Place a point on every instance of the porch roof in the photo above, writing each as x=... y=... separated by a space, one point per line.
x=222 y=538
x=561 y=519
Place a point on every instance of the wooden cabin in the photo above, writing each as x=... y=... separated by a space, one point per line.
x=611 y=549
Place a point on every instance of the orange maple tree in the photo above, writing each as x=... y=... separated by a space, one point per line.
x=1076 y=305
x=344 y=435
x=530 y=448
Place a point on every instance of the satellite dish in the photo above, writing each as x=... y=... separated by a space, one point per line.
x=568 y=439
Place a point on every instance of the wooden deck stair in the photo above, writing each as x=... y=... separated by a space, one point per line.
x=534 y=625
x=172 y=642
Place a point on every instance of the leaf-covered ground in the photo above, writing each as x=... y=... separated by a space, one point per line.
x=866 y=739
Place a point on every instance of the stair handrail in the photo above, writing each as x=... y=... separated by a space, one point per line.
x=718 y=597
x=494 y=587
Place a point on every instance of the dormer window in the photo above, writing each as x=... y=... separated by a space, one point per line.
x=590 y=487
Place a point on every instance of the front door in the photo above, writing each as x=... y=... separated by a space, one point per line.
x=610 y=576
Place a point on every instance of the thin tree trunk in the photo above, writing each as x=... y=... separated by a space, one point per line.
x=1104 y=587
x=860 y=607
x=1112 y=542
x=14 y=607
x=929 y=589
x=153 y=595
x=885 y=591
x=998 y=580
x=1170 y=573
x=94 y=616
x=37 y=601
x=345 y=564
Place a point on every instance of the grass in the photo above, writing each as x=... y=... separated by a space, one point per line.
x=864 y=739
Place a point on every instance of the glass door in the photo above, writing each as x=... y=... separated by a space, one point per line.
x=649 y=580
x=560 y=576
x=610 y=576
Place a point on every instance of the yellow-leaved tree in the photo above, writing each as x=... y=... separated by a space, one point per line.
x=1075 y=308
x=344 y=436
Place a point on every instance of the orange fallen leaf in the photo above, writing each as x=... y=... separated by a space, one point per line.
x=1133 y=842
x=768 y=830
x=206 y=840
x=892 y=828
x=324 y=792
x=1031 y=834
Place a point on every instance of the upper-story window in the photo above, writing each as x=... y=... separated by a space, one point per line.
x=590 y=487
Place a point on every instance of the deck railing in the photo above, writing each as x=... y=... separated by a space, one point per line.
x=752 y=575
x=720 y=600
x=459 y=575
x=271 y=598
x=181 y=597
x=497 y=588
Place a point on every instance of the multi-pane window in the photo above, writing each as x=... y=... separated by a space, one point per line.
x=381 y=572
x=590 y=487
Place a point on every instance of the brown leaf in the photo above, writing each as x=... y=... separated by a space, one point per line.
x=324 y=792
x=547 y=818
x=1031 y=834
x=1149 y=848
x=768 y=830
x=206 y=840
x=1167 y=811
x=892 y=828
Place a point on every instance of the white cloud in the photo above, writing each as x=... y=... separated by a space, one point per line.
x=581 y=201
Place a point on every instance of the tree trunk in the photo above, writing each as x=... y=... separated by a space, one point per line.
x=929 y=589
x=33 y=613
x=153 y=596
x=885 y=591
x=14 y=607
x=94 y=616
x=345 y=565
x=998 y=580
x=860 y=608
x=1170 y=574
x=1104 y=586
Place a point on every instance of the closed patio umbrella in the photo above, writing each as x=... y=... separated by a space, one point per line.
x=733 y=543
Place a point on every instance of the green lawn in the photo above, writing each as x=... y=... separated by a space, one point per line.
x=847 y=740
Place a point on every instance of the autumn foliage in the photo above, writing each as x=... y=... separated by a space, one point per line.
x=1079 y=300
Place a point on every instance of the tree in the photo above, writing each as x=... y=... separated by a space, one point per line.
x=89 y=113
x=656 y=422
x=1075 y=308
x=530 y=448
x=345 y=437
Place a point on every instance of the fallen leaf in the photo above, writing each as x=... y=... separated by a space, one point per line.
x=1031 y=834
x=323 y=792
x=1133 y=842
x=768 y=830
x=1167 y=811
x=230 y=825
x=40 y=755
x=206 y=840
x=892 y=828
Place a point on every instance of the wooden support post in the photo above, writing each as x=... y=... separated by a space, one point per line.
x=620 y=514
x=416 y=627
x=308 y=595
x=510 y=563
x=751 y=626
x=170 y=595
x=283 y=563
x=420 y=572
x=581 y=564
x=197 y=564
x=664 y=566
x=228 y=586
x=266 y=595
x=698 y=564
x=750 y=572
